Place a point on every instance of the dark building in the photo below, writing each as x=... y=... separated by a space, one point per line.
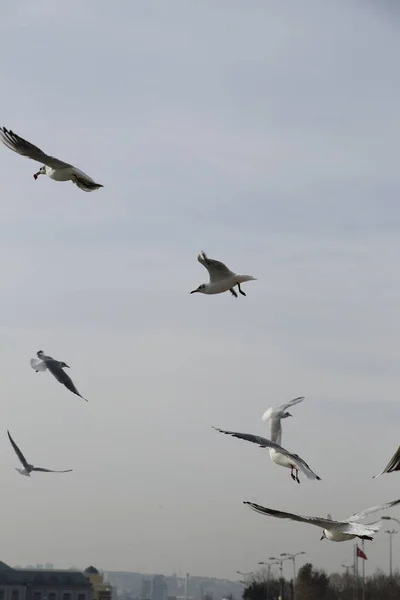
x=159 y=588
x=145 y=590
x=26 y=584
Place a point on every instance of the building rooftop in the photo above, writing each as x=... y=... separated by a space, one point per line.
x=67 y=579
x=91 y=571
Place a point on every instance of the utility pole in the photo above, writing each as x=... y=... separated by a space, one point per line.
x=391 y=533
x=280 y=561
x=292 y=557
x=268 y=565
x=363 y=573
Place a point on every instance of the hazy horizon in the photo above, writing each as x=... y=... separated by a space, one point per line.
x=267 y=135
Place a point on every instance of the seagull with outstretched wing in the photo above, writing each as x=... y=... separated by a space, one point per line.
x=52 y=167
x=278 y=455
x=28 y=468
x=55 y=367
x=335 y=531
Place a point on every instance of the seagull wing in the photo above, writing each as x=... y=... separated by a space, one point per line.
x=356 y=528
x=18 y=452
x=50 y=470
x=216 y=269
x=63 y=377
x=284 y=407
x=83 y=181
x=276 y=427
x=38 y=365
x=270 y=512
x=370 y=511
x=274 y=415
x=276 y=430
x=393 y=464
x=264 y=443
x=274 y=412
x=21 y=146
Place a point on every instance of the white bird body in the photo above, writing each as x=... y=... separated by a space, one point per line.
x=337 y=536
x=58 y=174
x=224 y=285
x=334 y=531
x=281 y=459
x=222 y=279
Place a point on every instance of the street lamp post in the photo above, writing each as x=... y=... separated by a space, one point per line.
x=268 y=565
x=280 y=561
x=391 y=533
x=292 y=557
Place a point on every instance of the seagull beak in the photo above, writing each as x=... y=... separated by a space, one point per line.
x=68 y=367
x=322 y=537
x=36 y=175
x=194 y=291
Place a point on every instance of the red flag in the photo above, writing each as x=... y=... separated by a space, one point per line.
x=361 y=554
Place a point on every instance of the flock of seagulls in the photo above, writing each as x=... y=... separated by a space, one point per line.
x=335 y=531
x=221 y=279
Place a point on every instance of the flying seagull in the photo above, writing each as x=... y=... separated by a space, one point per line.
x=335 y=531
x=27 y=470
x=54 y=168
x=393 y=464
x=278 y=455
x=276 y=414
x=55 y=367
x=222 y=279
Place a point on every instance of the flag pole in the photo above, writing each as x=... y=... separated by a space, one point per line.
x=355 y=572
x=363 y=573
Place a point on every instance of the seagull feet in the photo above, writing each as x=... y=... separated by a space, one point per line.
x=232 y=291
x=295 y=475
x=240 y=290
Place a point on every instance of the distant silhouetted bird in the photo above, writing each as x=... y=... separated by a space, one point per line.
x=27 y=470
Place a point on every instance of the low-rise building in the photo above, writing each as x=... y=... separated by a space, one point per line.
x=39 y=584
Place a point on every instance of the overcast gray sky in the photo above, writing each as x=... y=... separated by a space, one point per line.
x=267 y=134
